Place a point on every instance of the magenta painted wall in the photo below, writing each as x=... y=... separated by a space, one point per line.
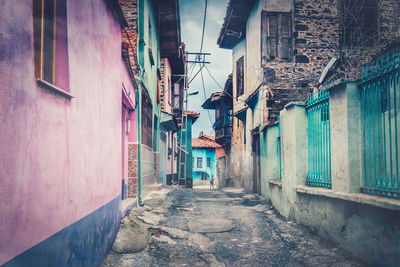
x=60 y=159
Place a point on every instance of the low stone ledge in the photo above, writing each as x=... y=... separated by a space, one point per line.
x=380 y=202
x=276 y=182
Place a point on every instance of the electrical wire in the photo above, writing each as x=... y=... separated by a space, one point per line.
x=199 y=57
x=201 y=50
x=204 y=26
x=205 y=97
x=238 y=100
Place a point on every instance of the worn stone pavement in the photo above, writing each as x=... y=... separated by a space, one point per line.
x=202 y=227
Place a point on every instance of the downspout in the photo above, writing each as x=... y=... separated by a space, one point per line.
x=139 y=115
x=139 y=135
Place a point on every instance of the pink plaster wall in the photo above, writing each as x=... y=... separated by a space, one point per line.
x=60 y=159
x=170 y=162
x=167 y=91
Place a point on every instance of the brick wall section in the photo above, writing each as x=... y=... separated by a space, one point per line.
x=132 y=170
x=316 y=39
x=150 y=168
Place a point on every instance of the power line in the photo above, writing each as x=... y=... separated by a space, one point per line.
x=212 y=77
x=199 y=57
x=205 y=98
x=238 y=100
x=191 y=67
x=204 y=26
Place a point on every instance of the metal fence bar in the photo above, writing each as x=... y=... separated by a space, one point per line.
x=396 y=82
x=319 y=159
x=379 y=87
x=329 y=146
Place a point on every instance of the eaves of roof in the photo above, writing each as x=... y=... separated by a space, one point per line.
x=234 y=27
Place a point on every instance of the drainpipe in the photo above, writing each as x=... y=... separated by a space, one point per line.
x=139 y=115
x=139 y=135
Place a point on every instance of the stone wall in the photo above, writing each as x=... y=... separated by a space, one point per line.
x=221 y=171
x=317 y=28
x=130 y=9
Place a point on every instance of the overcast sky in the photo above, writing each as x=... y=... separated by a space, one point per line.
x=192 y=12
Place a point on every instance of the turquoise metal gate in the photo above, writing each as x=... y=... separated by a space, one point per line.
x=319 y=140
x=380 y=121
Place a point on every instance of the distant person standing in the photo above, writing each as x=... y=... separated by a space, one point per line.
x=212 y=182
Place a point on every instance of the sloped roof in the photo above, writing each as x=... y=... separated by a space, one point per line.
x=204 y=143
x=202 y=135
x=234 y=28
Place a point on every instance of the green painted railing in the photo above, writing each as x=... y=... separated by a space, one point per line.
x=319 y=140
x=278 y=141
x=380 y=98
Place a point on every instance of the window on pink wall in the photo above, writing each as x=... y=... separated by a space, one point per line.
x=51 y=42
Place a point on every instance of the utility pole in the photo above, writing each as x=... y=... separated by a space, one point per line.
x=200 y=58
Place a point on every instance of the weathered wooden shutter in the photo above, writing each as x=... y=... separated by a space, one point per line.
x=285 y=36
x=272 y=28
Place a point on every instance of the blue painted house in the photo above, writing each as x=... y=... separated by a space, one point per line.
x=205 y=152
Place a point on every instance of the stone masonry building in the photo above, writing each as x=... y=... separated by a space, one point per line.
x=279 y=51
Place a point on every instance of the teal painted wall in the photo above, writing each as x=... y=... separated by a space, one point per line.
x=189 y=164
x=204 y=153
x=148 y=40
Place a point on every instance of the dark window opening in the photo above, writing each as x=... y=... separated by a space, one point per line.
x=208 y=162
x=155 y=139
x=359 y=23
x=150 y=35
x=239 y=77
x=50 y=41
x=147 y=120
x=199 y=163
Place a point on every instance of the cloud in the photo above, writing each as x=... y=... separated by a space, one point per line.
x=192 y=12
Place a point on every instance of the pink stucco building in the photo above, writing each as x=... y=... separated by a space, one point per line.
x=67 y=113
x=169 y=126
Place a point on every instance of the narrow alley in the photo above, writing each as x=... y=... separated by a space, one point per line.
x=199 y=133
x=229 y=227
